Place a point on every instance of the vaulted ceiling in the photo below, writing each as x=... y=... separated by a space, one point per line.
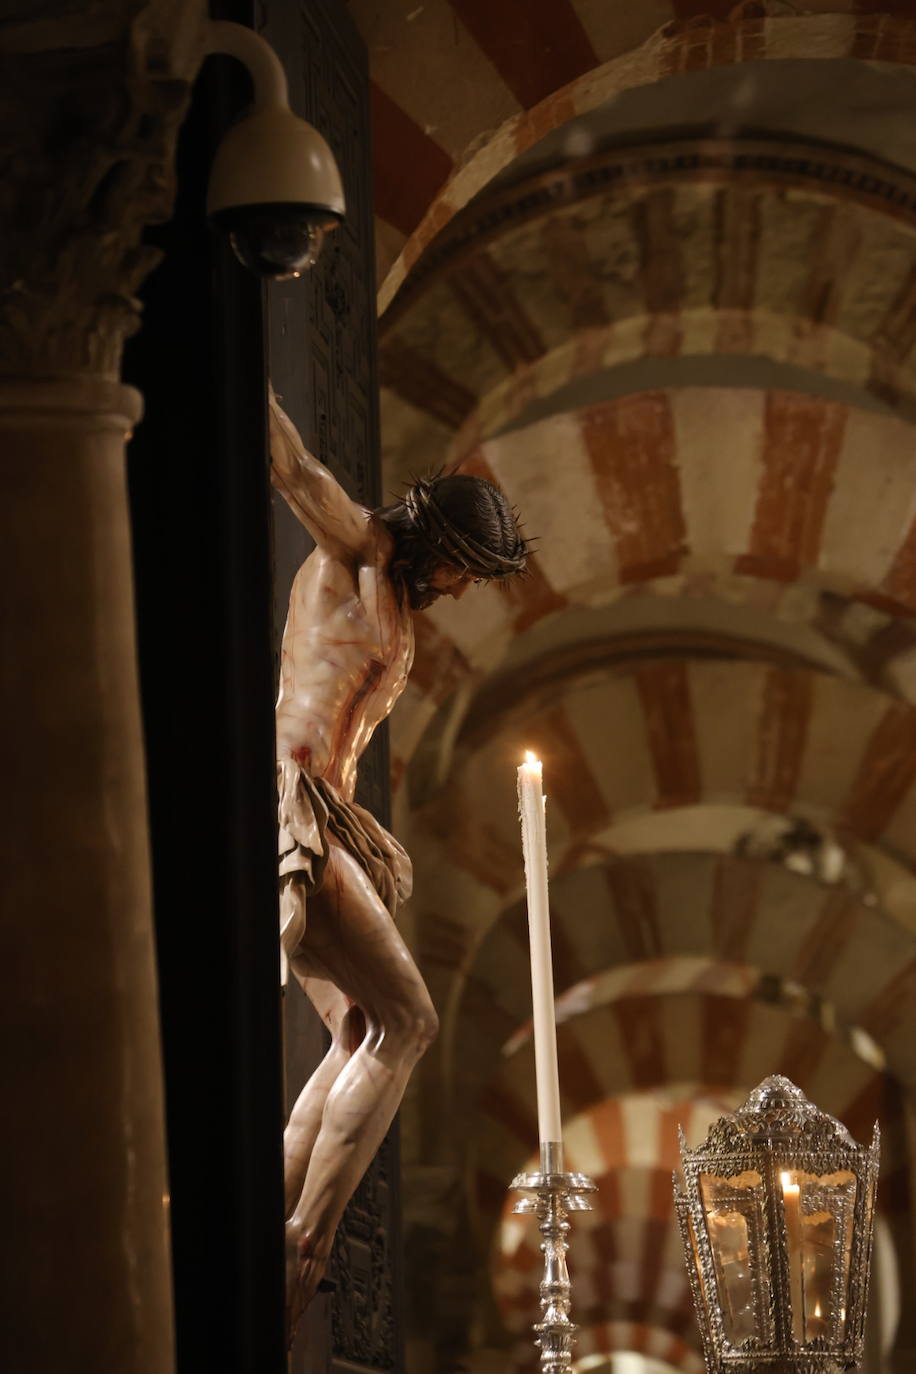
x=653 y=269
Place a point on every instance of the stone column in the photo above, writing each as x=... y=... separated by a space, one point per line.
x=89 y=109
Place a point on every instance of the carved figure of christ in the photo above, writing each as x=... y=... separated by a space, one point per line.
x=347 y=650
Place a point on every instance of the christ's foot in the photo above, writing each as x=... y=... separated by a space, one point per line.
x=304 y=1274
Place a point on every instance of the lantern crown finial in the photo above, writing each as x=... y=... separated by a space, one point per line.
x=775 y=1091
x=778 y=1110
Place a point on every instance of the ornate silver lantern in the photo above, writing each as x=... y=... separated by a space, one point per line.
x=776 y=1215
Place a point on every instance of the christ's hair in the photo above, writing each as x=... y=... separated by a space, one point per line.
x=476 y=510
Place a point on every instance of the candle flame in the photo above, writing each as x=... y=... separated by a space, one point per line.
x=787 y=1185
x=531 y=759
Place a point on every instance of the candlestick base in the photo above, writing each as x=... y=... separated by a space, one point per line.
x=551 y=1194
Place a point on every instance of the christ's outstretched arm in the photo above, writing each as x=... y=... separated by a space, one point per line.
x=314 y=496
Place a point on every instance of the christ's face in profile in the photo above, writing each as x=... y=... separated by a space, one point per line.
x=445 y=580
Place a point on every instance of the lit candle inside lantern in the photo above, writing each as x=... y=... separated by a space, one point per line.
x=531 y=806
x=791 y=1202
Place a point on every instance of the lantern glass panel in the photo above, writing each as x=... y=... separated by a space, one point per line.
x=818 y=1221
x=734 y=1215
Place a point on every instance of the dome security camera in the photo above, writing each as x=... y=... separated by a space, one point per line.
x=276 y=190
x=274 y=186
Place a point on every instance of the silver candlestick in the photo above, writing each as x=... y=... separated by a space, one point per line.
x=551 y=1194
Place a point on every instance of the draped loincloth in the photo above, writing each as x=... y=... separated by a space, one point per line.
x=311 y=815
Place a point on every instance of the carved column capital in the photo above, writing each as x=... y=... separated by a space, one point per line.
x=90 y=106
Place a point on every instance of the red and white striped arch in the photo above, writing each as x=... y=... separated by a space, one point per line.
x=721 y=615
x=655 y=266
x=817 y=952
x=769 y=499
x=673 y=732
x=653 y=1040
x=703 y=733
x=460 y=88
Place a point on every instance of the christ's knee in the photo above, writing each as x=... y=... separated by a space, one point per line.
x=408 y=1028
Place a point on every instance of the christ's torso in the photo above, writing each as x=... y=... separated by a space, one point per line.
x=347 y=650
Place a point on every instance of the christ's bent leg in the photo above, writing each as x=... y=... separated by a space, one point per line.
x=352 y=942
x=347 y=1027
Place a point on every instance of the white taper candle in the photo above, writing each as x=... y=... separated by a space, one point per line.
x=531 y=806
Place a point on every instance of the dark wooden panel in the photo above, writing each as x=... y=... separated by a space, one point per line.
x=200 y=509
x=323 y=365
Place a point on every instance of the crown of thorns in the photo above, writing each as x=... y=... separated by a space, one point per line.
x=433 y=526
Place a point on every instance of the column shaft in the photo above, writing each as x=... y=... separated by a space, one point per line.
x=84 y=1225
